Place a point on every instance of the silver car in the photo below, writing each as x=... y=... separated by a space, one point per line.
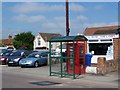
x=35 y=59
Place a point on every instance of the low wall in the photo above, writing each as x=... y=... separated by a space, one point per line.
x=104 y=67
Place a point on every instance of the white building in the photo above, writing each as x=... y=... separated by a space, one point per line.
x=41 y=41
x=100 y=40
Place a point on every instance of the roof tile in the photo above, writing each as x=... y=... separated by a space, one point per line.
x=101 y=30
x=47 y=36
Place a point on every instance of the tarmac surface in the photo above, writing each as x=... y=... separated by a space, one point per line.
x=16 y=77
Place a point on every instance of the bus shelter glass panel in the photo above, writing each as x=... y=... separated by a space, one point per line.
x=58 y=59
x=70 y=61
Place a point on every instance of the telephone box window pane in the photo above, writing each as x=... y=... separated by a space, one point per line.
x=71 y=60
x=71 y=51
x=81 y=52
x=71 y=64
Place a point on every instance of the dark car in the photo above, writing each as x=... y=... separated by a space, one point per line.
x=35 y=59
x=16 y=56
x=3 y=51
x=4 y=56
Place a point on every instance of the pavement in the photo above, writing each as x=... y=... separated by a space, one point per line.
x=27 y=77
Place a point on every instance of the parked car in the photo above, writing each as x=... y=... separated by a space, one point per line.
x=2 y=51
x=35 y=59
x=16 y=56
x=55 y=54
x=58 y=54
x=4 y=56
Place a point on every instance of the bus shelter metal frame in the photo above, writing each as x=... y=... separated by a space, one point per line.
x=67 y=39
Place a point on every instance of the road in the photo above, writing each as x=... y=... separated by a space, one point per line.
x=16 y=77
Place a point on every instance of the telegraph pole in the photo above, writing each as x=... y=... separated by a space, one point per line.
x=67 y=19
x=67 y=31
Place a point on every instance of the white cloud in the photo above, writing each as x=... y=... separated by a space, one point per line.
x=60 y=1
x=78 y=27
x=44 y=7
x=98 y=7
x=29 y=19
x=82 y=18
x=60 y=19
x=58 y=24
x=55 y=25
x=36 y=7
x=77 y=7
x=101 y=24
x=25 y=7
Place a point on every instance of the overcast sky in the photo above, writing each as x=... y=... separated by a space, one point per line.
x=50 y=16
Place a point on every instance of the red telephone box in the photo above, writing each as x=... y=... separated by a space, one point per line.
x=76 y=62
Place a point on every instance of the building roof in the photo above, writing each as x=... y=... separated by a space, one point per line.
x=101 y=30
x=6 y=41
x=47 y=36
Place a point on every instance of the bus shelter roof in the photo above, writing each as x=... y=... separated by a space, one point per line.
x=68 y=38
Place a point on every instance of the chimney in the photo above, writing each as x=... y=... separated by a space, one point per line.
x=46 y=39
x=9 y=37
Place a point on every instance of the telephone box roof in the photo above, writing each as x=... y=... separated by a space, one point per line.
x=68 y=38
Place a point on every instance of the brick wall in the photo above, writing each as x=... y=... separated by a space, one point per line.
x=116 y=45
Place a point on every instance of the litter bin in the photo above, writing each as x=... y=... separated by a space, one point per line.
x=88 y=59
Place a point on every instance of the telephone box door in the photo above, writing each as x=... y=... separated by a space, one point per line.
x=79 y=58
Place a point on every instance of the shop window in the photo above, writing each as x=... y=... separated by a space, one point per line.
x=105 y=40
x=99 y=48
x=93 y=40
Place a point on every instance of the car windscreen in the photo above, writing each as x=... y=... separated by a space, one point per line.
x=6 y=54
x=34 y=55
x=2 y=51
x=16 y=54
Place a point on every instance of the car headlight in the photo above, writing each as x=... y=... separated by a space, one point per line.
x=16 y=59
x=2 y=58
x=7 y=59
x=29 y=62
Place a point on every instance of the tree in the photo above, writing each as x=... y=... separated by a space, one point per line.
x=24 y=39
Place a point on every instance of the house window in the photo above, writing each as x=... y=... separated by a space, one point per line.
x=38 y=38
x=39 y=43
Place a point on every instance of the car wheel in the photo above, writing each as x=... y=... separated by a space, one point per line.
x=9 y=65
x=46 y=64
x=36 y=64
x=22 y=66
